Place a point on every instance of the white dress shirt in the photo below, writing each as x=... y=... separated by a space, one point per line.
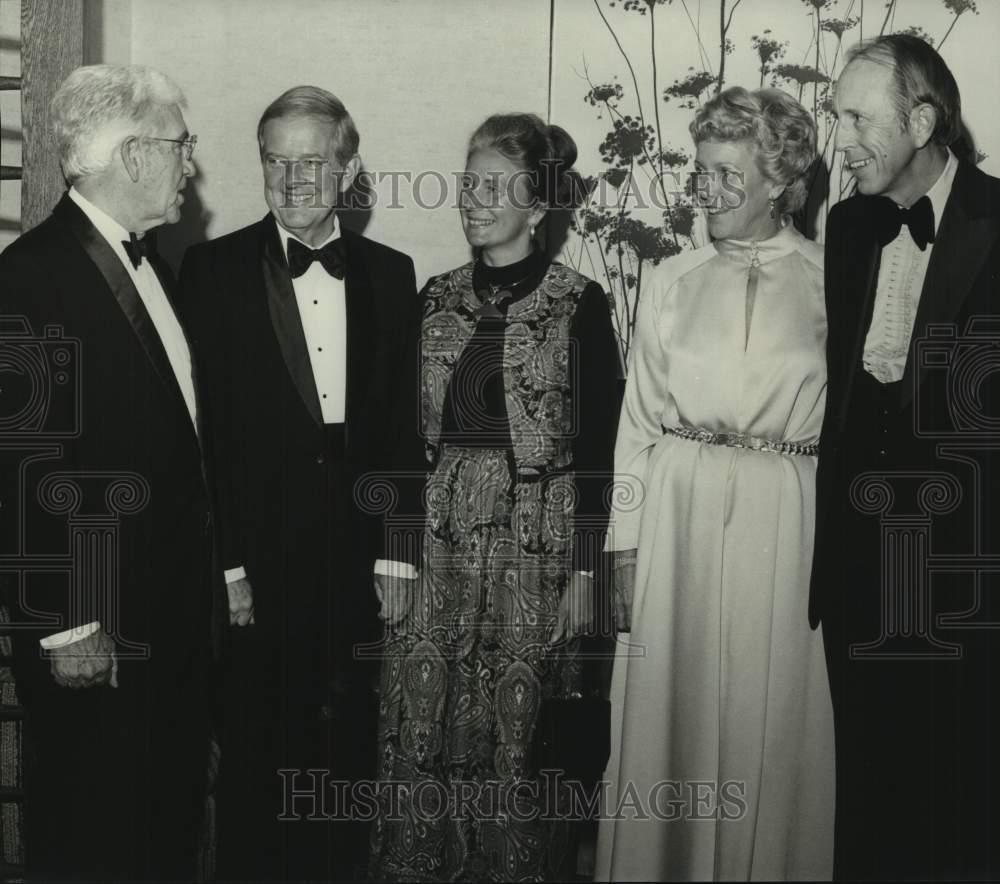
x=900 y=280
x=322 y=306
x=169 y=330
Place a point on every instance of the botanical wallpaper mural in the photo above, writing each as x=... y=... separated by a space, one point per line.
x=638 y=212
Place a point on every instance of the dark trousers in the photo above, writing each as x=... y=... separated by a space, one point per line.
x=297 y=715
x=918 y=769
x=115 y=788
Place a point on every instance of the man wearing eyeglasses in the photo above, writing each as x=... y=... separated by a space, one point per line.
x=114 y=651
x=308 y=337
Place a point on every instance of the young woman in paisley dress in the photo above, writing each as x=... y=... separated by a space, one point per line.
x=519 y=368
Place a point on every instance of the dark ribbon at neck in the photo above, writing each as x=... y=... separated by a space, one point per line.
x=333 y=257
x=889 y=220
x=138 y=248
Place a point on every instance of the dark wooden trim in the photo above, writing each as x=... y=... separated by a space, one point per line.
x=51 y=47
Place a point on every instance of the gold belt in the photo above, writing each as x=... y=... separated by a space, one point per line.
x=742 y=440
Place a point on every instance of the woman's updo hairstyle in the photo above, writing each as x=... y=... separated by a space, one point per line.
x=781 y=129
x=546 y=153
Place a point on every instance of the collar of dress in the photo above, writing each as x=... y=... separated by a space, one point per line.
x=745 y=251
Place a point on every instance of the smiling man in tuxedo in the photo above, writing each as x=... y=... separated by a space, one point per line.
x=118 y=703
x=308 y=334
x=905 y=471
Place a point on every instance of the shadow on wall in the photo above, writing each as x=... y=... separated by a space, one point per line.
x=556 y=227
x=173 y=239
x=359 y=203
x=808 y=217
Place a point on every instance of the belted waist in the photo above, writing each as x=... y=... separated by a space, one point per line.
x=742 y=440
x=524 y=475
x=529 y=475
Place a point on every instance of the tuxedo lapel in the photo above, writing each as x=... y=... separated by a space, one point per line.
x=122 y=288
x=964 y=238
x=167 y=282
x=361 y=330
x=285 y=318
x=855 y=302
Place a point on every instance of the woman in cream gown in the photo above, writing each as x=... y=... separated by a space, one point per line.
x=724 y=768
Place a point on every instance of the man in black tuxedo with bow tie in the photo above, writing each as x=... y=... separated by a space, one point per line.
x=902 y=580
x=308 y=333
x=108 y=494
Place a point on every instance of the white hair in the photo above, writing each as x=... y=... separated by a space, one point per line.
x=99 y=105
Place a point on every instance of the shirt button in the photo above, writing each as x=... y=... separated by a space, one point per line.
x=882 y=452
x=321 y=458
x=320 y=349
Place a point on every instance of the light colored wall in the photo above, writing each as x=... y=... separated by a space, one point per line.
x=107 y=31
x=416 y=75
x=583 y=43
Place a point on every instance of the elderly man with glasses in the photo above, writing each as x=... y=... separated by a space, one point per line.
x=114 y=650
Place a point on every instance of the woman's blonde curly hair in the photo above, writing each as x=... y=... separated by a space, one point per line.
x=780 y=128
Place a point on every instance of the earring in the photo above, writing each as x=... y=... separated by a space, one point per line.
x=772 y=209
x=531 y=231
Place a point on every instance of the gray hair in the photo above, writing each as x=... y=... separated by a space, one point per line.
x=780 y=128
x=99 y=105
x=317 y=104
x=920 y=76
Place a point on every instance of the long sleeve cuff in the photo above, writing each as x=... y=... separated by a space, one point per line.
x=388 y=568
x=69 y=636
x=234 y=574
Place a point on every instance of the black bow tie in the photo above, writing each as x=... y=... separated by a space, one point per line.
x=889 y=220
x=333 y=257
x=138 y=248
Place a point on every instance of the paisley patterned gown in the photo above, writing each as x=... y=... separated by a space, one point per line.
x=463 y=680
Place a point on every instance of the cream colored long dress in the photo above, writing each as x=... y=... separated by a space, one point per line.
x=728 y=708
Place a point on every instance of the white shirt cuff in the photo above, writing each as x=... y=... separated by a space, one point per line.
x=387 y=568
x=69 y=636
x=589 y=574
x=234 y=574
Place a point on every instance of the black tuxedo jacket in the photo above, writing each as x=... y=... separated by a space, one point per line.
x=961 y=285
x=96 y=438
x=912 y=670
x=290 y=515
